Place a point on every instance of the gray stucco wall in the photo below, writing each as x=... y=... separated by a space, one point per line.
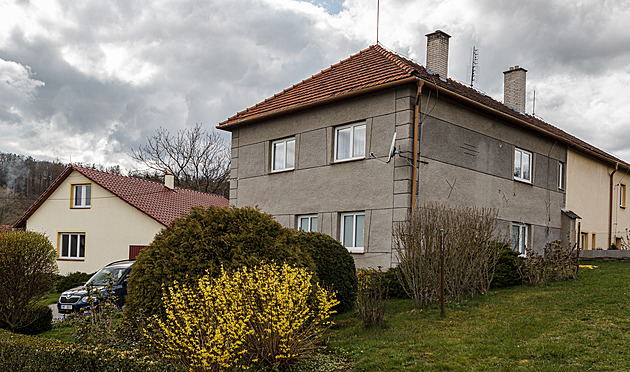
x=320 y=186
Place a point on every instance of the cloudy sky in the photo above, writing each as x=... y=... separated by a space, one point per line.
x=86 y=81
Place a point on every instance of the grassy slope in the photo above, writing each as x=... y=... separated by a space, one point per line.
x=572 y=325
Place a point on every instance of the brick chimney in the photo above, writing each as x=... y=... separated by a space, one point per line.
x=169 y=181
x=514 y=92
x=437 y=52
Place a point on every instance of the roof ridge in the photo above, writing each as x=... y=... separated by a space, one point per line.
x=396 y=58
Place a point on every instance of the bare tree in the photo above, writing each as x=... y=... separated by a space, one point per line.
x=198 y=159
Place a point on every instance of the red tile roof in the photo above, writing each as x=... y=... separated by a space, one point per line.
x=152 y=198
x=5 y=228
x=376 y=66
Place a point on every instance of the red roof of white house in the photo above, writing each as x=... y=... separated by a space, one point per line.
x=378 y=67
x=152 y=198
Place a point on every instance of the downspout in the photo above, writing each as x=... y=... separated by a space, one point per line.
x=610 y=215
x=416 y=131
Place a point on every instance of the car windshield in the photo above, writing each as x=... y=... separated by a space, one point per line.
x=106 y=274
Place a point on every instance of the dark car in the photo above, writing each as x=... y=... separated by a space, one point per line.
x=116 y=273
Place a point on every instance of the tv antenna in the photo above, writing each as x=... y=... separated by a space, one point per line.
x=378 y=8
x=474 y=65
x=392 y=149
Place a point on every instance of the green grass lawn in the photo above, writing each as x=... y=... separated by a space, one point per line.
x=571 y=325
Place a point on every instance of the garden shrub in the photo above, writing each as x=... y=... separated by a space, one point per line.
x=557 y=262
x=28 y=268
x=29 y=353
x=42 y=321
x=202 y=242
x=334 y=265
x=270 y=315
x=71 y=280
x=506 y=272
x=395 y=280
x=371 y=295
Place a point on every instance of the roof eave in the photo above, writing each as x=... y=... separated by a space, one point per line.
x=266 y=116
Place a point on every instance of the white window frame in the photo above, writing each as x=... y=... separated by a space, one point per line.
x=79 y=236
x=518 y=156
x=353 y=128
x=560 y=175
x=523 y=236
x=284 y=167
x=352 y=248
x=86 y=200
x=622 y=195
x=310 y=218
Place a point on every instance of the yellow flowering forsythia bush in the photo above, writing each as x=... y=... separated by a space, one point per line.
x=270 y=315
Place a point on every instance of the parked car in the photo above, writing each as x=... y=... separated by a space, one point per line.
x=116 y=273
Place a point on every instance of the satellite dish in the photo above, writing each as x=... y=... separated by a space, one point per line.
x=392 y=149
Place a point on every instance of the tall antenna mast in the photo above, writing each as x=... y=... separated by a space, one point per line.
x=534 y=105
x=378 y=8
x=473 y=69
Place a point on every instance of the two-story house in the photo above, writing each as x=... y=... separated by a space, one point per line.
x=317 y=155
x=94 y=217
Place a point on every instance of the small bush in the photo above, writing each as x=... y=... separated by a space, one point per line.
x=71 y=280
x=42 y=322
x=203 y=242
x=506 y=273
x=334 y=265
x=28 y=268
x=28 y=353
x=371 y=296
x=270 y=315
x=556 y=263
x=394 y=279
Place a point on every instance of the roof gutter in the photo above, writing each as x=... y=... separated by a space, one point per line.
x=321 y=102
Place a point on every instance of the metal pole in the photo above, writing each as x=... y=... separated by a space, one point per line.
x=442 y=273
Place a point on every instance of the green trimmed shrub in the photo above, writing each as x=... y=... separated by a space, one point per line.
x=71 y=280
x=28 y=353
x=506 y=270
x=201 y=243
x=42 y=315
x=28 y=268
x=394 y=277
x=334 y=265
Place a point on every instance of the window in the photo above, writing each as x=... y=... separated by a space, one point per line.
x=522 y=165
x=519 y=237
x=283 y=154
x=583 y=240
x=81 y=196
x=593 y=241
x=72 y=246
x=307 y=223
x=622 y=195
x=350 y=142
x=352 y=229
x=560 y=175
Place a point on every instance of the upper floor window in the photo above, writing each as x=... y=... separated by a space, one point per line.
x=82 y=196
x=560 y=175
x=283 y=154
x=622 y=195
x=352 y=230
x=350 y=142
x=522 y=165
x=307 y=223
x=72 y=246
x=519 y=237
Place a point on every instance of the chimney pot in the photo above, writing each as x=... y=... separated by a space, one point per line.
x=514 y=88
x=437 y=52
x=169 y=181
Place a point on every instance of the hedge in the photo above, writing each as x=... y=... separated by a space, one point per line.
x=30 y=353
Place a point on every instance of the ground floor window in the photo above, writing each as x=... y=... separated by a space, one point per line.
x=307 y=223
x=519 y=237
x=352 y=231
x=72 y=246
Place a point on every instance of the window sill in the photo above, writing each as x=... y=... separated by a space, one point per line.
x=356 y=250
x=74 y=207
x=71 y=259
x=347 y=160
x=282 y=170
x=523 y=181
